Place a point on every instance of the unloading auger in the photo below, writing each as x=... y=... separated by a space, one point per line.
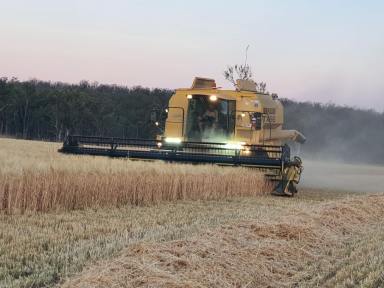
x=204 y=124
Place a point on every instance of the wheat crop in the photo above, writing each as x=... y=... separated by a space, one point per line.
x=35 y=177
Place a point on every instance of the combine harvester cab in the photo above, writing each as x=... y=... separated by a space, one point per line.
x=204 y=124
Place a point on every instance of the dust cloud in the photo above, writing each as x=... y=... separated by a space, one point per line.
x=342 y=176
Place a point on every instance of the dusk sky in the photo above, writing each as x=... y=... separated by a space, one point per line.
x=323 y=51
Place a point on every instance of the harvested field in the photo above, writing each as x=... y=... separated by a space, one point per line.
x=35 y=177
x=78 y=222
x=312 y=247
x=42 y=249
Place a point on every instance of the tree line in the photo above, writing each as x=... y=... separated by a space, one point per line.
x=48 y=111
x=44 y=110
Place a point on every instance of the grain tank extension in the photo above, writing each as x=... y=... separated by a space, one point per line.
x=205 y=124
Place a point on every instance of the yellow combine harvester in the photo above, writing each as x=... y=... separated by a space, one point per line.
x=205 y=124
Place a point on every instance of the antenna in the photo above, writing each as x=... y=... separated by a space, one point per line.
x=246 y=55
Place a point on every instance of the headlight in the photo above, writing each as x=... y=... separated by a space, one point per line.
x=173 y=140
x=235 y=146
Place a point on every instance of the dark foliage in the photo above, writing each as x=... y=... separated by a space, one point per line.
x=44 y=110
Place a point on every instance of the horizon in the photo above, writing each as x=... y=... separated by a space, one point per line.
x=229 y=88
x=328 y=52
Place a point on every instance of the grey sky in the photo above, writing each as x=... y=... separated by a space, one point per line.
x=324 y=51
